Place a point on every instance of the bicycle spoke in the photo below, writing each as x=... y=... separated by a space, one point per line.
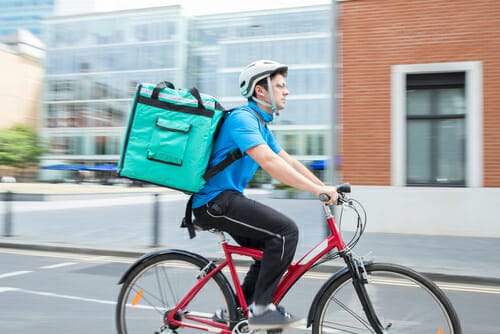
x=354 y=314
x=146 y=302
x=159 y=286
x=172 y=293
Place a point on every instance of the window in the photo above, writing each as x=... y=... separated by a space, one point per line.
x=315 y=144
x=104 y=145
x=100 y=145
x=435 y=120
x=302 y=141
x=290 y=143
x=66 y=145
x=436 y=124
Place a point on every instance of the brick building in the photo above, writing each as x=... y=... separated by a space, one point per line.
x=420 y=113
x=398 y=57
x=21 y=65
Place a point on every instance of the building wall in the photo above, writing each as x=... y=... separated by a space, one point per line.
x=20 y=89
x=376 y=35
x=221 y=45
x=26 y=14
x=94 y=63
x=95 y=60
x=431 y=211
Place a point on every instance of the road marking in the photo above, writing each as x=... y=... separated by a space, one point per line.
x=15 y=273
x=473 y=288
x=68 y=256
x=470 y=288
x=56 y=295
x=58 y=265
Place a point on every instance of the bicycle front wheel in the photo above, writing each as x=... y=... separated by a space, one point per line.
x=156 y=286
x=404 y=302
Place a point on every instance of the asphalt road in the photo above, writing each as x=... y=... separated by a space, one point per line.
x=127 y=223
x=48 y=292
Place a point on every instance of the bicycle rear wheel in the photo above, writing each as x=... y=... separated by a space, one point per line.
x=156 y=286
x=404 y=301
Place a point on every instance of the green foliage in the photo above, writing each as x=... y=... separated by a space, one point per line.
x=20 y=146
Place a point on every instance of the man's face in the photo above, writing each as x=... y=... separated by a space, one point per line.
x=280 y=91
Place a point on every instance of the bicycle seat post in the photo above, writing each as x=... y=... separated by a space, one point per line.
x=221 y=235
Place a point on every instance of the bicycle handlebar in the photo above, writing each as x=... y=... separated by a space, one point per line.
x=343 y=188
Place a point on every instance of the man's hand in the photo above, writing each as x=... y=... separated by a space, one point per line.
x=330 y=191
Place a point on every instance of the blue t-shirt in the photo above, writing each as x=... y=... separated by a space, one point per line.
x=241 y=129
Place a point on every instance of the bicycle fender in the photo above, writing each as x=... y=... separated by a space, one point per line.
x=324 y=287
x=146 y=257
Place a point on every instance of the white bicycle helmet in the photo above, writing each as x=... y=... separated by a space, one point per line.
x=257 y=71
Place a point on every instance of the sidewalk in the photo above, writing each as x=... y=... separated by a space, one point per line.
x=54 y=191
x=457 y=259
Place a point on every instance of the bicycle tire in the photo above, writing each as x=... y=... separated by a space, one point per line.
x=404 y=301
x=154 y=286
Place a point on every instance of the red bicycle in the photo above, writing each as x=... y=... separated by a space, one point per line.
x=176 y=291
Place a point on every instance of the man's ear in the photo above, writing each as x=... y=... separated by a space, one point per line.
x=259 y=90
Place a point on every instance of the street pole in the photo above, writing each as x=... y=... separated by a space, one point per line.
x=156 y=221
x=332 y=170
x=8 y=214
x=333 y=178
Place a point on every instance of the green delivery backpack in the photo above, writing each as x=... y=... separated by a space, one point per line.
x=169 y=137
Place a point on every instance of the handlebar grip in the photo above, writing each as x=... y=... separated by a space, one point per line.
x=324 y=197
x=341 y=189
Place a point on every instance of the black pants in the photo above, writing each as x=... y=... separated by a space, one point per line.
x=255 y=225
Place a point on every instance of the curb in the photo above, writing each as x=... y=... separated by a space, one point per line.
x=325 y=268
x=41 y=197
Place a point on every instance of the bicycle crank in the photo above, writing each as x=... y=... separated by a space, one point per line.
x=242 y=328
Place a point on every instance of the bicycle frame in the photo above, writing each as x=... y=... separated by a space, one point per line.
x=295 y=271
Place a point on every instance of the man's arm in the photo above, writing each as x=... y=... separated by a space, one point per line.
x=299 y=167
x=281 y=170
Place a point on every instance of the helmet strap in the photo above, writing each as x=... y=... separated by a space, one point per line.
x=274 y=108
x=271 y=105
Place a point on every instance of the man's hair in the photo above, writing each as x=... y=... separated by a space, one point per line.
x=263 y=82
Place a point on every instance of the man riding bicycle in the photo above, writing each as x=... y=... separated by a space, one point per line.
x=222 y=205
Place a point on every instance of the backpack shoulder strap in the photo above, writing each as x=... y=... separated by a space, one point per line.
x=231 y=157
x=187 y=221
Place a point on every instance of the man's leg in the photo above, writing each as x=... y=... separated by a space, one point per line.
x=253 y=224
x=248 y=285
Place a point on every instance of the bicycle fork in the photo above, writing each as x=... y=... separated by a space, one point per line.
x=359 y=281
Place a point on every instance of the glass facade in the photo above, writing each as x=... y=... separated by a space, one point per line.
x=299 y=37
x=93 y=64
x=25 y=14
x=95 y=61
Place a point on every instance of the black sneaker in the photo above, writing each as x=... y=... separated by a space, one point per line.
x=221 y=316
x=273 y=319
